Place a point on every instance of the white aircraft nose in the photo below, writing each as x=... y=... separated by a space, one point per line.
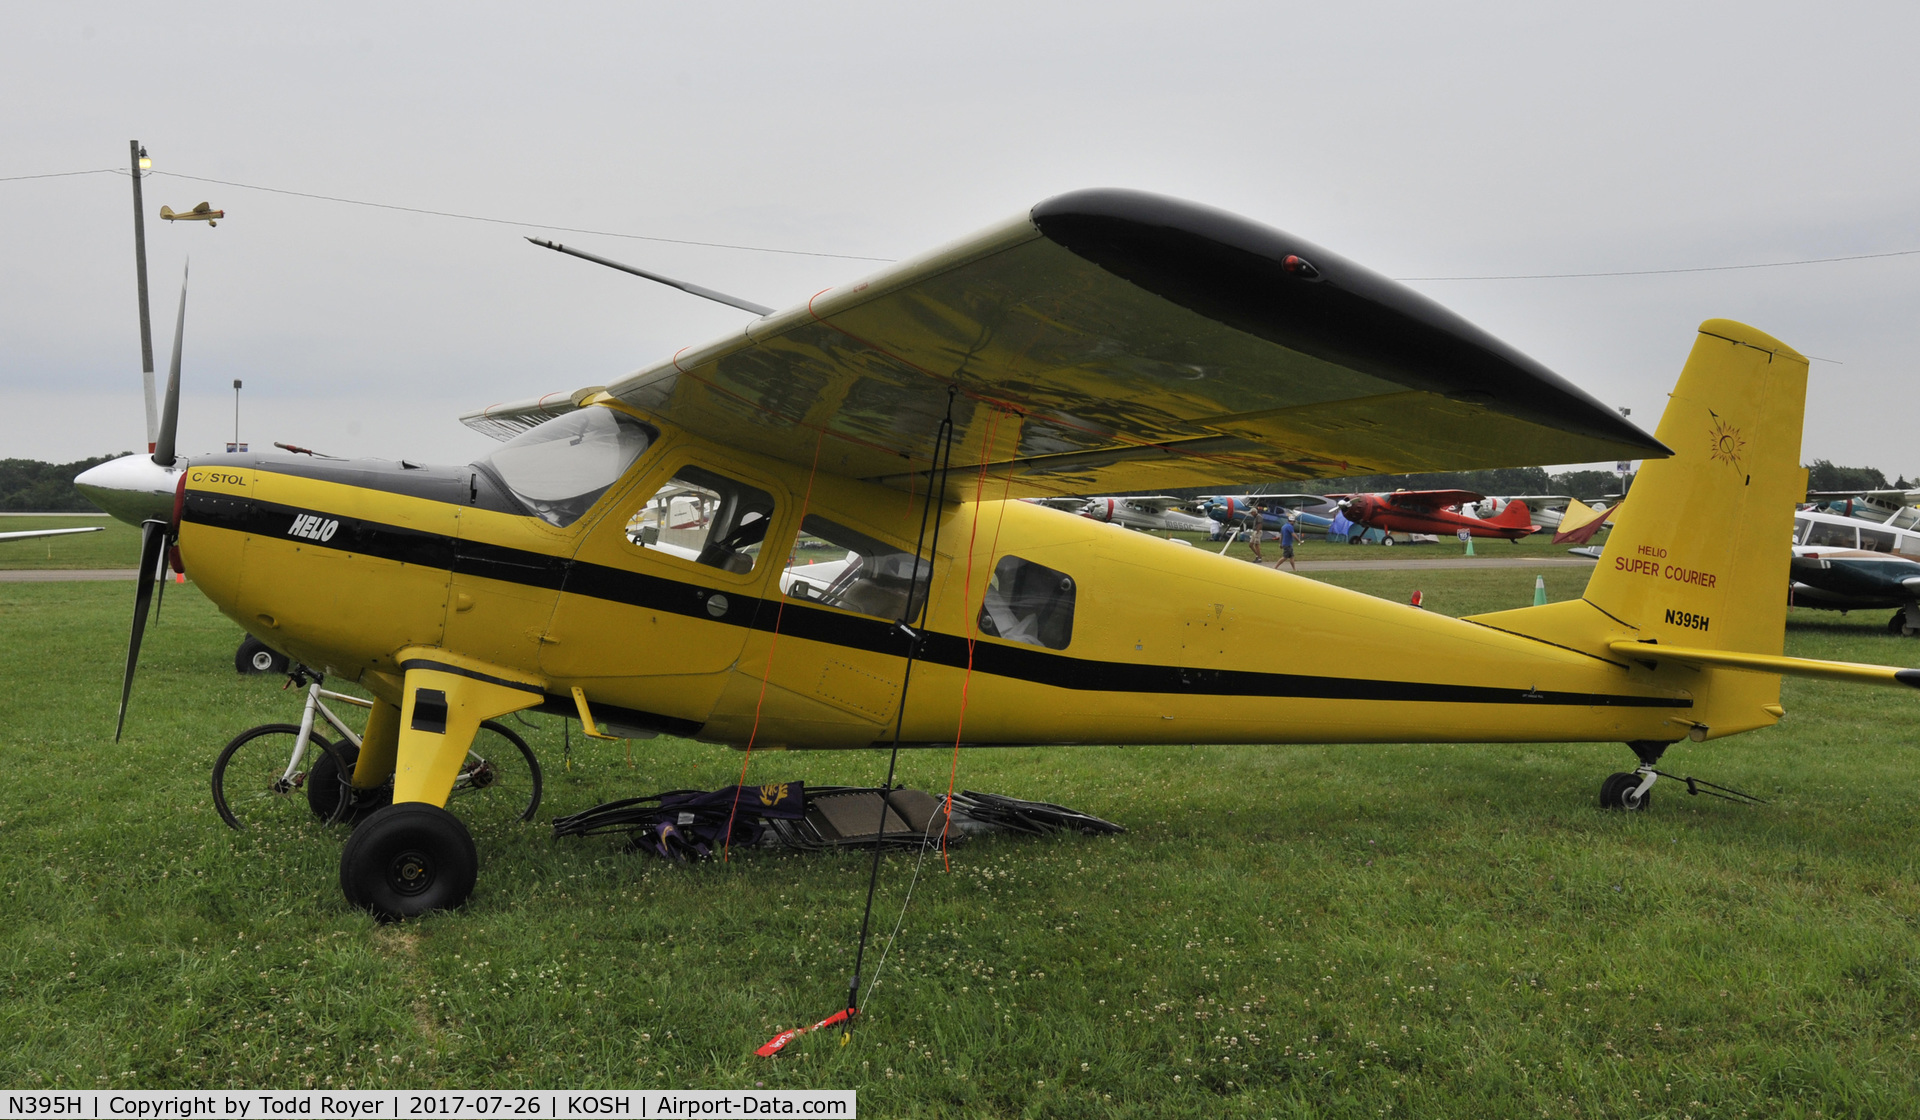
x=133 y=488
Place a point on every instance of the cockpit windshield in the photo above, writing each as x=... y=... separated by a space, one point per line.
x=561 y=467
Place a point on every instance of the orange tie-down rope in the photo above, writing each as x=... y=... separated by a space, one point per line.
x=806 y=503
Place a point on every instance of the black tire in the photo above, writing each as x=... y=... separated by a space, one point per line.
x=254 y=656
x=408 y=859
x=360 y=802
x=500 y=782
x=1613 y=793
x=1897 y=625
x=251 y=791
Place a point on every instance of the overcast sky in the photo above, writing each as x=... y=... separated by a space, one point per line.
x=1421 y=140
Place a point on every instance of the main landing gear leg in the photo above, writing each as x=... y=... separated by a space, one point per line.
x=413 y=856
x=1634 y=792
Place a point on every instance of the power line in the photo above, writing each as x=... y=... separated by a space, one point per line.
x=1670 y=271
x=889 y=260
x=522 y=225
x=61 y=174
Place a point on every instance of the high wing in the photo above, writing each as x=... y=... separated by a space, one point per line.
x=1269 y=500
x=1536 y=501
x=29 y=534
x=1113 y=340
x=506 y=420
x=1893 y=498
x=1157 y=503
x=1069 y=504
x=1425 y=499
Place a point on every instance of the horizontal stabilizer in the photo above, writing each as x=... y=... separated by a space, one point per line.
x=1852 y=671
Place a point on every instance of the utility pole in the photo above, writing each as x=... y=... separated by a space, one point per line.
x=140 y=163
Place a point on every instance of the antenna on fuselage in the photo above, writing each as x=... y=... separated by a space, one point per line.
x=690 y=289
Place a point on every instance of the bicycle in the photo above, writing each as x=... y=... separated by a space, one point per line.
x=258 y=781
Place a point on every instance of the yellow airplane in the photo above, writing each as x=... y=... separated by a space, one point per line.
x=801 y=535
x=201 y=213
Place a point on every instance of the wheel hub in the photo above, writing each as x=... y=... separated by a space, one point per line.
x=411 y=872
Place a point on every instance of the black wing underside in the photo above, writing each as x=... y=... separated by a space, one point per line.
x=1112 y=340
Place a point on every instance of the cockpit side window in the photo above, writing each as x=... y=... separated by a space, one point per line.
x=845 y=568
x=1028 y=602
x=559 y=468
x=1828 y=535
x=706 y=518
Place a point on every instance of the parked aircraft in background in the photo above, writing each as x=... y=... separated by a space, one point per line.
x=1887 y=507
x=1844 y=564
x=1269 y=511
x=1154 y=511
x=1435 y=511
x=29 y=534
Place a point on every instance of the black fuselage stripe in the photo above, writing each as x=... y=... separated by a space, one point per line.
x=801 y=620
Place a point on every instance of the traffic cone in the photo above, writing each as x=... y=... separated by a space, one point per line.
x=1539 y=591
x=1469 y=544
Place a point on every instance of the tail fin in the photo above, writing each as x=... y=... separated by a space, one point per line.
x=1513 y=516
x=1580 y=522
x=1698 y=554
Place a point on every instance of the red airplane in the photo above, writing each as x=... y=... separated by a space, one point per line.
x=1432 y=511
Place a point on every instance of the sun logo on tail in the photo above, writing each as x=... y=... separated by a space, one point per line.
x=1727 y=443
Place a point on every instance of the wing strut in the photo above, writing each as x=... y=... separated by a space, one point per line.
x=690 y=289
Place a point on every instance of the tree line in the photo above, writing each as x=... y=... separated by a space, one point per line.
x=30 y=486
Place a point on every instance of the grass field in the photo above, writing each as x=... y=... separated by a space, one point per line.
x=117 y=545
x=1285 y=931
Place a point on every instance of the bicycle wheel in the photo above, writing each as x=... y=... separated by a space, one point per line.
x=500 y=782
x=251 y=786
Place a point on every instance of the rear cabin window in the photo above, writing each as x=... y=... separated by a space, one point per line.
x=1876 y=540
x=559 y=468
x=1828 y=535
x=706 y=518
x=845 y=568
x=1028 y=602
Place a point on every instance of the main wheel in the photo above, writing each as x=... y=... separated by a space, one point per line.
x=1897 y=625
x=252 y=788
x=407 y=859
x=1388 y=541
x=359 y=802
x=499 y=784
x=254 y=656
x=1616 y=790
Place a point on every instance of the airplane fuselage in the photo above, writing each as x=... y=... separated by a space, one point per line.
x=1384 y=512
x=1124 y=638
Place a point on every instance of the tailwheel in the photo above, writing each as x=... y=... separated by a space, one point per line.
x=407 y=859
x=1622 y=791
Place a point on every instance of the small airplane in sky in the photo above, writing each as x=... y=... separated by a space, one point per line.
x=884 y=426
x=1435 y=511
x=201 y=213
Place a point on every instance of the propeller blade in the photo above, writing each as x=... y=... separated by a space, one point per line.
x=153 y=545
x=160 y=592
x=163 y=447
